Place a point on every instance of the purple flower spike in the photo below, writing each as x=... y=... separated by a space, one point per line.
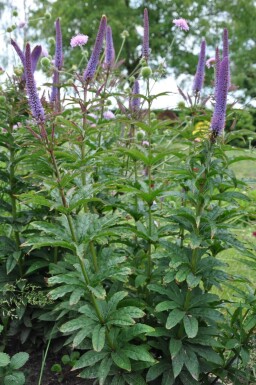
x=225 y=52
x=199 y=77
x=58 y=48
x=18 y=51
x=93 y=61
x=145 y=45
x=218 y=118
x=217 y=69
x=54 y=93
x=110 y=50
x=135 y=101
x=35 y=55
x=33 y=98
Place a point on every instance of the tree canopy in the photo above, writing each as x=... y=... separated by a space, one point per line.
x=205 y=17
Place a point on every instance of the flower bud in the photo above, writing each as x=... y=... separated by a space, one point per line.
x=146 y=72
x=9 y=29
x=51 y=40
x=18 y=71
x=140 y=135
x=132 y=79
x=124 y=34
x=47 y=15
x=45 y=62
x=15 y=13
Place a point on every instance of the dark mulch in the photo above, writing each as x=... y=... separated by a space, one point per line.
x=33 y=366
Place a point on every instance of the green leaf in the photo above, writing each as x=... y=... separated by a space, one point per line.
x=138 y=353
x=18 y=360
x=178 y=362
x=121 y=360
x=166 y=305
x=231 y=196
x=156 y=370
x=77 y=323
x=98 y=291
x=98 y=337
x=174 y=346
x=89 y=358
x=80 y=336
x=208 y=354
x=134 y=331
x=190 y=325
x=76 y=295
x=16 y=378
x=56 y=368
x=174 y=318
x=4 y=359
x=168 y=378
x=104 y=369
x=134 y=379
x=37 y=265
x=192 y=364
x=115 y=299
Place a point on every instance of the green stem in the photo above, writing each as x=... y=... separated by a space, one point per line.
x=14 y=203
x=74 y=238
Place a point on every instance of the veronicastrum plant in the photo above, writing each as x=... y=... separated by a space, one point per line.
x=130 y=214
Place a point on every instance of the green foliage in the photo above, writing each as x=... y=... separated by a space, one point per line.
x=111 y=240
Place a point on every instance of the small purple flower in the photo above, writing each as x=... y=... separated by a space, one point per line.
x=33 y=98
x=108 y=115
x=78 y=40
x=135 y=101
x=181 y=23
x=199 y=77
x=58 y=48
x=210 y=62
x=145 y=45
x=219 y=114
x=145 y=143
x=93 y=61
x=110 y=50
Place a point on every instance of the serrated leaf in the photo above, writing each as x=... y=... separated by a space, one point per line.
x=16 y=378
x=121 y=360
x=174 y=347
x=134 y=379
x=192 y=364
x=98 y=337
x=89 y=358
x=174 y=318
x=18 y=360
x=156 y=370
x=134 y=331
x=190 y=325
x=77 y=323
x=168 y=378
x=178 y=362
x=4 y=359
x=76 y=295
x=98 y=291
x=166 y=305
x=138 y=353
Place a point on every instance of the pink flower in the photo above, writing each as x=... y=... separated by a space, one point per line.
x=108 y=115
x=21 y=24
x=78 y=40
x=181 y=23
x=210 y=62
x=254 y=234
x=145 y=143
x=44 y=52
